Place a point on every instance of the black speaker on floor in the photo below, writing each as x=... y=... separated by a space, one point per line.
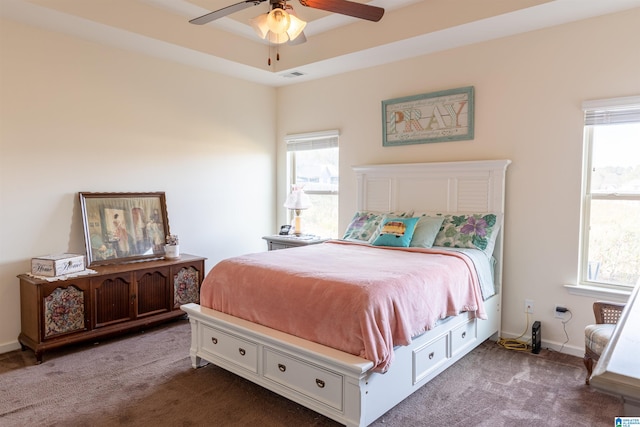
x=535 y=337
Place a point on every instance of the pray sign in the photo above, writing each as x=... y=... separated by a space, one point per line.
x=434 y=117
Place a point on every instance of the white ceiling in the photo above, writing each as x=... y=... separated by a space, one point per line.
x=335 y=43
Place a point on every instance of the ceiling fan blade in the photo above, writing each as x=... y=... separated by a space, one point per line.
x=217 y=14
x=345 y=7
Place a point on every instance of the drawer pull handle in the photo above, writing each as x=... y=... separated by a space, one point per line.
x=242 y=351
x=214 y=340
x=431 y=355
x=319 y=383
x=282 y=367
x=464 y=334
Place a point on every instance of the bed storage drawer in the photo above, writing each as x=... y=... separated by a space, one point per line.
x=463 y=336
x=429 y=357
x=231 y=348
x=310 y=380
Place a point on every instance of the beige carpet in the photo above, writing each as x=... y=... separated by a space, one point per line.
x=146 y=379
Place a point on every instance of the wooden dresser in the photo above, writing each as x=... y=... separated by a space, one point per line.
x=117 y=299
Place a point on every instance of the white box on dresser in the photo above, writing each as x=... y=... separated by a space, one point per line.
x=57 y=265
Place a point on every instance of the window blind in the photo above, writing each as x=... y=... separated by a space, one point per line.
x=312 y=140
x=612 y=111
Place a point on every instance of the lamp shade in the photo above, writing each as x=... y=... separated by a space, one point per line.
x=297 y=199
x=296 y=27
x=278 y=21
x=277 y=38
x=259 y=25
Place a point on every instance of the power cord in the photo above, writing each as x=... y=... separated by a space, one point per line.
x=564 y=327
x=515 y=343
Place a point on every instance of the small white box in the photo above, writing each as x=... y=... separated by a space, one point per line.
x=57 y=265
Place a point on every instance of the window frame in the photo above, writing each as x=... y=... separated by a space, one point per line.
x=303 y=142
x=598 y=113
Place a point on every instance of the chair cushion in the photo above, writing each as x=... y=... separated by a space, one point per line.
x=596 y=337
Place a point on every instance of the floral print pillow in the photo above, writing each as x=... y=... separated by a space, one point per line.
x=365 y=225
x=478 y=231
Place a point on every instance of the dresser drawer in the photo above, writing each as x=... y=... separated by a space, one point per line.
x=231 y=348
x=429 y=357
x=463 y=335
x=312 y=381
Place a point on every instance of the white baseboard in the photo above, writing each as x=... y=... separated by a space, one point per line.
x=551 y=345
x=566 y=349
x=9 y=346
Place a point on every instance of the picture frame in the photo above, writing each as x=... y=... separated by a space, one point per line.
x=123 y=227
x=441 y=116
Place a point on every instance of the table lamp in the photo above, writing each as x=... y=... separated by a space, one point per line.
x=297 y=200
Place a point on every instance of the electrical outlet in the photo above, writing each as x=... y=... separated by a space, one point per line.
x=559 y=311
x=528 y=306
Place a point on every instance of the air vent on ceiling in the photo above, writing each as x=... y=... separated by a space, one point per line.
x=292 y=74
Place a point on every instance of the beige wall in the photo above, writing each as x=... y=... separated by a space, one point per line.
x=78 y=116
x=529 y=89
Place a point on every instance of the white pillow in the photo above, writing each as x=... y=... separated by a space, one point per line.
x=426 y=231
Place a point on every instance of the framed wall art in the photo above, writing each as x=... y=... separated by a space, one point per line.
x=432 y=117
x=121 y=227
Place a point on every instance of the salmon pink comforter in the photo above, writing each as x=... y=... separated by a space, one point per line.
x=357 y=298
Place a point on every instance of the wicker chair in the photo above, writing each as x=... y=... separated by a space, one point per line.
x=597 y=336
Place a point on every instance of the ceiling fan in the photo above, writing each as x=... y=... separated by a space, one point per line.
x=281 y=25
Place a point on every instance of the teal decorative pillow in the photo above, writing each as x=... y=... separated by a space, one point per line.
x=477 y=231
x=426 y=231
x=396 y=232
x=365 y=224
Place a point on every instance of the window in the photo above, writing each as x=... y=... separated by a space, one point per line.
x=312 y=161
x=610 y=236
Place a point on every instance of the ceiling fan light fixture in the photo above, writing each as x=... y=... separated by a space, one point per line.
x=296 y=27
x=259 y=25
x=278 y=21
x=277 y=38
x=269 y=26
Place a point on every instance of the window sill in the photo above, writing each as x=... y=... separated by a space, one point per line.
x=620 y=295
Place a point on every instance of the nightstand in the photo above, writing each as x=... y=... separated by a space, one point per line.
x=277 y=241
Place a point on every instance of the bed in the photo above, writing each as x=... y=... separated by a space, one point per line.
x=355 y=386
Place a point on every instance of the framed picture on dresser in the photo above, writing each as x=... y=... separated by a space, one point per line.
x=121 y=227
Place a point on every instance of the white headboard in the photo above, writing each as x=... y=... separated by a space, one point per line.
x=451 y=187
x=474 y=186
